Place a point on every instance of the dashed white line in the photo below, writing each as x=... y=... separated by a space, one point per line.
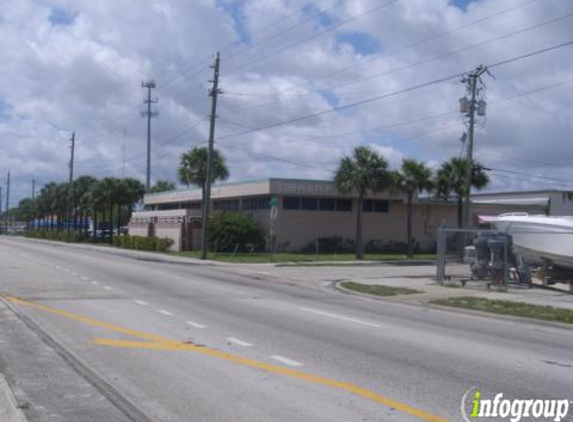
x=141 y=302
x=164 y=312
x=239 y=342
x=74 y=274
x=95 y=282
x=286 y=361
x=83 y=277
x=341 y=317
x=107 y=288
x=196 y=324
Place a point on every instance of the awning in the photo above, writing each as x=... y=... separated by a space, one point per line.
x=539 y=201
x=486 y=219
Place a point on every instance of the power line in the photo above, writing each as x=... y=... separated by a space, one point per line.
x=320 y=33
x=391 y=94
x=414 y=44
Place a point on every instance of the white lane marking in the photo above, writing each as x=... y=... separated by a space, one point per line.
x=286 y=361
x=141 y=302
x=239 y=342
x=196 y=324
x=74 y=274
x=164 y=312
x=341 y=317
x=83 y=277
x=95 y=282
x=107 y=288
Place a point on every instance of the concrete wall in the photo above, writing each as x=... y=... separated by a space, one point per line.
x=171 y=231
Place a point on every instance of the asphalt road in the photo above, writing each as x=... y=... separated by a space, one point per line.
x=87 y=336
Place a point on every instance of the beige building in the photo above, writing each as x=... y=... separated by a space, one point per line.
x=313 y=209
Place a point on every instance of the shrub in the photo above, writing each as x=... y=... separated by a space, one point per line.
x=234 y=231
x=332 y=244
x=390 y=247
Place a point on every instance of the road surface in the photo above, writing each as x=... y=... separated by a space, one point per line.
x=91 y=336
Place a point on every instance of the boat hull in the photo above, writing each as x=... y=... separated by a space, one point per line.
x=540 y=240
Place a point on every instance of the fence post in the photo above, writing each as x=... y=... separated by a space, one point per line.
x=441 y=256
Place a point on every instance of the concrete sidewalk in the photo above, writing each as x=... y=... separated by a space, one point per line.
x=9 y=411
x=417 y=277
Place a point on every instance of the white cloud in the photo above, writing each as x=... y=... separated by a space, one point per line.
x=86 y=76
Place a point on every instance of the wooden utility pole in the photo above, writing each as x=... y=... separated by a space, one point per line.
x=472 y=81
x=214 y=92
x=71 y=183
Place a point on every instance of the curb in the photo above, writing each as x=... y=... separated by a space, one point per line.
x=396 y=300
x=9 y=411
x=127 y=253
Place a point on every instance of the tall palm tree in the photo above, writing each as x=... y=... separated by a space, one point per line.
x=193 y=168
x=82 y=188
x=162 y=186
x=105 y=195
x=414 y=176
x=365 y=171
x=129 y=192
x=451 y=180
x=47 y=201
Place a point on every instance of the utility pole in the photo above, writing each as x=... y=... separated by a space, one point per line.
x=123 y=157
x=71 y=183
x=471 y=107
x=149 y=85
x=7 y=201
x=213 y=93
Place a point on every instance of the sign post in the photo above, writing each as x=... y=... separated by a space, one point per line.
x=274 y=203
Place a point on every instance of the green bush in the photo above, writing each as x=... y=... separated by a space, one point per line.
x=143 y=243
x=60 y=236
x=390 y=247
x=234 y=232
x=332 y=244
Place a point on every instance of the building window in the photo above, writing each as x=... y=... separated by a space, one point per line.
x=226 y=205
x=375 y=205
x=192 y=205
x=291 y=203
x=310 y=204
x=326 y=204
x=344 y=205
x=256 y=203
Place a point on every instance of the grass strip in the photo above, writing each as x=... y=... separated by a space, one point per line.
x=503 y=307
x=378 y=290
x=255 y=258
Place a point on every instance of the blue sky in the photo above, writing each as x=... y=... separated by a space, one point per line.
x=462 y=4
x=61 y=16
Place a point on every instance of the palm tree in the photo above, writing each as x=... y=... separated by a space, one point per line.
x=105 y=195
x=193 y=168
x=451 y=180
x=162 y=186
x=129 y=192
x=82 y=188
x=413 y=177
x=362 y=172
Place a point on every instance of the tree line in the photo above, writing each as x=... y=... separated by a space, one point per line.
x=112 y=200
x=367 y=171
x=94 y=203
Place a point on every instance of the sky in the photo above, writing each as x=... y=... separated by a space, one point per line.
x=304 y=82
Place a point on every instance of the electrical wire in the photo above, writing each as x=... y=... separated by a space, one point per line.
x=393 y=94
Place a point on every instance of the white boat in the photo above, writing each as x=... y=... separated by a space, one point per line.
x=540 y=239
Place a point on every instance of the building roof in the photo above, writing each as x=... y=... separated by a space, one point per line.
x=269 y=186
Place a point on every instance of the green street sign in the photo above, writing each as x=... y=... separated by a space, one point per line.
x=274 y=202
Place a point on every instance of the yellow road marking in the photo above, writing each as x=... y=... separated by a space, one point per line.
x=90 y=321
x=162 y=343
